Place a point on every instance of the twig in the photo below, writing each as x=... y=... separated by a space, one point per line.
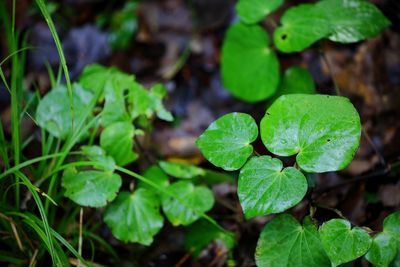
x=183 y=259
x=80 y=236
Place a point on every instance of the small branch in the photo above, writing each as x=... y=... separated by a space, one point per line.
x=80 y=236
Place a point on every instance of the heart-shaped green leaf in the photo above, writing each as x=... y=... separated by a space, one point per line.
x=54 y=114
x=91 y=188
x=250 y=69
x=383 y=250
x=117 y=140
x=189 y=203
x=391 y=226
x=352 y=20
x=302 y=25
x=343 y=244
x=180 y=170
x=286 y=243
x=324 y=131
x=265 y=188
x=135 y=217
x=226 y=143
x=253 y=11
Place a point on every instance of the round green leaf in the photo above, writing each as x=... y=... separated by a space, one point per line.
x=297 y=80
x=343 y=244
x=253 y=11
x=226 y=143
x=383 y=250
x=391 y=226
x=180 y=170
x=156 y=175
x=135 y=217
x=54 y=113
x=302 y=25
x=91 y=188
x=286 y=243
x=352 y=20
x=190 y=201
x=324 y=131
x=97 y=154
x=265 y=188
x=117 y=140
x=250 y=69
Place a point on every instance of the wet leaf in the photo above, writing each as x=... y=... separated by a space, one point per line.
x=342 y=243
x=265 y=188
x=135 y=217
x=250 y=69
x=192 y=201
x=383 y=250
x=97 y=154
x=302 y=25
x=297 y=80
x=324 y=131
x=352 y=20
x=226 y=143
x=286 y=243
x=391 y=226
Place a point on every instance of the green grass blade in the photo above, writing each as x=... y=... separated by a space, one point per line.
x=43 y=8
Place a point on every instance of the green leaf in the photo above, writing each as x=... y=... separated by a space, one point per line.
x=97 y=154
x=117 y=141
x=189 y=202
x=265 y=188
x=250 y=69
x=343 y=244
x=391 y=226
x=54 y=114
x=324 y=131
x=91 y=188
x=155 y=174
x=180 y=170
x=302 y=25
x=135 y=217
x=286 y=243
x=352 y=20
x=297 y=80
x=148 y=102
x=253 y=11
x=201 y=233
x=94 y=78
x=383 y=250
x=226 y=143
x=114 y=108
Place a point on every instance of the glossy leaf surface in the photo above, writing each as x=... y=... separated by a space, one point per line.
x=265 y=188
x=253 y=11
x=286 y=243
x=324 y=131
x=226 y=143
